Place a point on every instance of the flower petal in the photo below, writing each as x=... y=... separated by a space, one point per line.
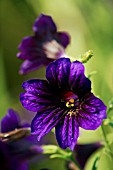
x=57 y=73
x=30 y=48
x=30 y=102
x=10 y=122
x=44 y=25
x=45 y=46
x=63 y=38
x=92 y=113
x=45 y=120
x=38 y=95
x=67 y=132
x=36 y=86
x=28 y=66
x=78 y=82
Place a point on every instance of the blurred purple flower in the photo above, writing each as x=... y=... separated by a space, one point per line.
x=11 y=121
x=45 y=46
x=15 y=148
x=8 y=161
x=63 y=101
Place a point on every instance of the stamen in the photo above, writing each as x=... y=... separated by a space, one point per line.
x=73 y=112
x=70 y=103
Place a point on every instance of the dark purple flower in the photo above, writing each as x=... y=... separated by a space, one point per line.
x=44 y=46
x=83 y=152
x=63 y=101
x=15 y=147
x=9 y=161
x=11 y=121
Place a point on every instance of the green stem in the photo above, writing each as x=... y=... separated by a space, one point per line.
x=105 y=138
x=109 y=110
x=75 y=162
x=70 y=158
x=85 y=57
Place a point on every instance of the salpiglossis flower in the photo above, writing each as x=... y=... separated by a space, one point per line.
x=44 y=46
x=63 y=101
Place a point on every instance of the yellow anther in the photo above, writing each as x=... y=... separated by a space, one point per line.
x=70 y=103
x=70 y=113
x=71 y=100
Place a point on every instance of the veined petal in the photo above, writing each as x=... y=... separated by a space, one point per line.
x=44 y=25
x=76 y=70
x=10 y=122
x=38 y=94
x=36 y=86
x=78 y=82
x=44 y=121
x=92 y=113
x=63 y=38
x=67 y=132
x=30 y=102
x=58 y=71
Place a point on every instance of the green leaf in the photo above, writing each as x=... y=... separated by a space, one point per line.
x=50 y=149
x=111 y=124
x=106 y=161
x=109 y=133
x=54 y=149
x=92 y=160
x=58 y=156
x=100 y=160
x=95 y=164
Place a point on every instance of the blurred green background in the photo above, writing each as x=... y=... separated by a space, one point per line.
x=90 y=24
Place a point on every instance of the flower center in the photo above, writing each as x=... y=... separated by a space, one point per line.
x=71 y=100
x=53 y=49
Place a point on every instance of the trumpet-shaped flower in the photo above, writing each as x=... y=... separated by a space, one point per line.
x=44 y=46
x=63 y=101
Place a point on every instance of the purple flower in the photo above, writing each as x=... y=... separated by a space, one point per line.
x=8 y=161
x=11 y=121
x=15 y=147
x=84 y=151
x=44 y=46
x=63 y=101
